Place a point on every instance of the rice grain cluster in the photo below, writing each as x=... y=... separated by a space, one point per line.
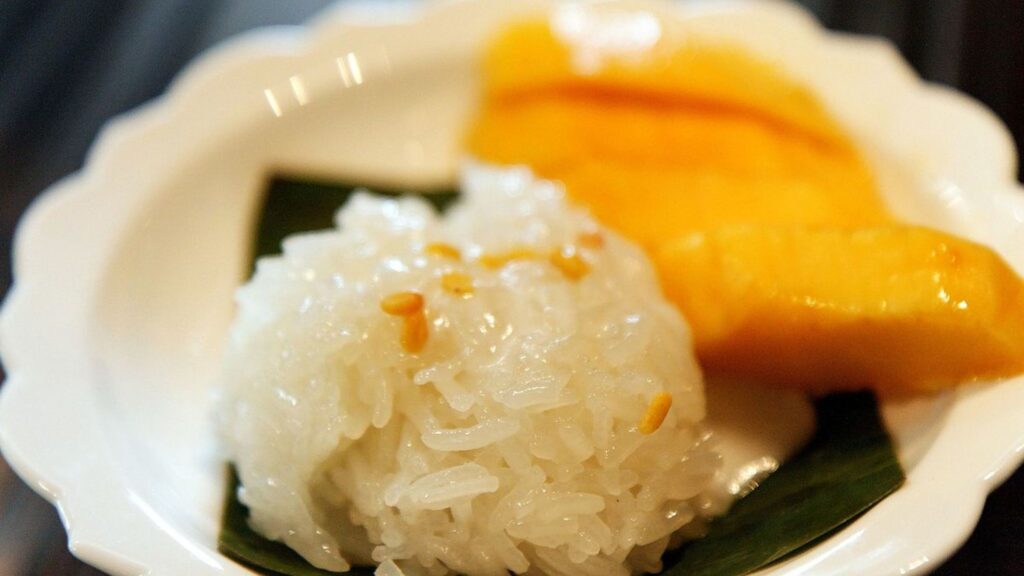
x=503 y=388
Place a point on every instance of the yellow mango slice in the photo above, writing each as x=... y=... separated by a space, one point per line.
x=652 y=208
x=897 y=308
x=687 y=138
x=761 y=213
x=531 y=57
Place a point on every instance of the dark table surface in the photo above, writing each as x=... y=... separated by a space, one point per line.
x=66 y=66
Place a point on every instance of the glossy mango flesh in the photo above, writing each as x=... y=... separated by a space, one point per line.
x=762 y=215
x=900 y=308
x=701 y=75
x=707 y=134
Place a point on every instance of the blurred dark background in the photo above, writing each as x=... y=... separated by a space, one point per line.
x=66 y=66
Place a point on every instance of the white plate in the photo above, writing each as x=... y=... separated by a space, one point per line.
x=124 y=272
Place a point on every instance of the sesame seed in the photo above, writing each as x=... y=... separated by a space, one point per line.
x=414 y=332
x=655 y=413
x=443 y=250
x=457 y=283
x=568 y=260
x=501 y=259
x=591 y=239
x=402 y=303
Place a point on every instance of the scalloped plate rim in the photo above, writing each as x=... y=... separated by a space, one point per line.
x=294 y=42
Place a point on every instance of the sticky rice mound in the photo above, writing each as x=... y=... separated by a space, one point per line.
x=502 y=388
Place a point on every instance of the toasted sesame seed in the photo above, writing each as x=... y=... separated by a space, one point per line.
x=458 y=283
x=414 y=332
x=655 y=413
x=501 y=259
x=591 y=239
x=402 y=303
x=443 y=250
x=568 y=260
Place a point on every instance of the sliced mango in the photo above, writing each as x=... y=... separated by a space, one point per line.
x=686 y=138
x=761 y=213
x=697 y=73
x=706 y=172
x=899 y=308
